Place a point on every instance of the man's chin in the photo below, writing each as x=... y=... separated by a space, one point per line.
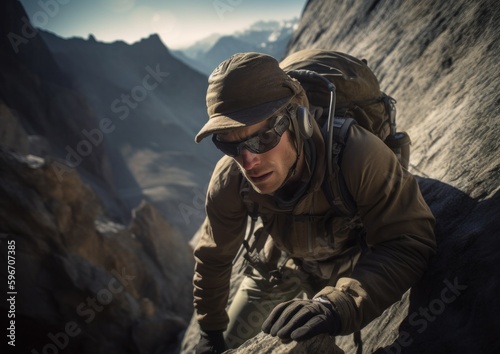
x=262 y=188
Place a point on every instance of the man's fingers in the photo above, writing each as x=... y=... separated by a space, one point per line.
x=273 y=317
x=286 y=317
x=311 y=328
x=301 y=319
x=298 y=320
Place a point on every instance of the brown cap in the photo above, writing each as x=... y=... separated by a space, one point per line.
x=246 y=89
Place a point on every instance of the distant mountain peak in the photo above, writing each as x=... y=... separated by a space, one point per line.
x=153 y=42
x=154 y=37
x=271 y=25
x=269 y=37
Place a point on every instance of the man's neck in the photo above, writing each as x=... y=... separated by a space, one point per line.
x=297 y=180
x=299 y=170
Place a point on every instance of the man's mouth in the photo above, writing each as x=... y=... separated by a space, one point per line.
x=261 y=178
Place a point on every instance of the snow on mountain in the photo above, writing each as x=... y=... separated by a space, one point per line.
x=270 y=37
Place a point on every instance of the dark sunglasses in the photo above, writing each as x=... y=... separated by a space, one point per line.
x=257 y=144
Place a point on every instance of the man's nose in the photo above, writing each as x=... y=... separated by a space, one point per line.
x=249 y=160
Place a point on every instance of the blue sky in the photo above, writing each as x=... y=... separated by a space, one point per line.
x=178 y=22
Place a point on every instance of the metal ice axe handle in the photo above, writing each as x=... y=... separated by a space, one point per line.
x=312 y=75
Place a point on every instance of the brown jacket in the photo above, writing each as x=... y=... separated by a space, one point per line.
x=398 y=222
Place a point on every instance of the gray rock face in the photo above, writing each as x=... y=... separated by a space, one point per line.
x=265 y=344
x=12 y=134
x=440 y=61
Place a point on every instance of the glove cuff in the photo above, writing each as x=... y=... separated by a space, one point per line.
x=333 y=314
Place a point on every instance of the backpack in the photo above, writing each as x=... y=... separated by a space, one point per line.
x=342 y=91
x=357 y=90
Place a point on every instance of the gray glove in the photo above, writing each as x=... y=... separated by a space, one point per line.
x=302 y=319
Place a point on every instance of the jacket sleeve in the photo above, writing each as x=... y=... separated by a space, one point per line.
x=400 y=232
x=221 y=236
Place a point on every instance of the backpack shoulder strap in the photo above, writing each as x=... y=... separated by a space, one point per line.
x=342 y=202
x=253 y=241
x=252 y=207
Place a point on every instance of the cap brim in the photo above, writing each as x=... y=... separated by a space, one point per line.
x=224 y=122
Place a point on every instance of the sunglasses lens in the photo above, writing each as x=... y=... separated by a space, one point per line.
x=263 y=142
x=230 y=149
x=259 y=144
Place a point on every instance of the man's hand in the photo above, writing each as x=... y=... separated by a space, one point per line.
x=211 y=342
x=302 y=319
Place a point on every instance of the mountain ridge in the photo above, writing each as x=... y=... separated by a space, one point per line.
x=269 y=37
x=156 y=104
x=96 y=270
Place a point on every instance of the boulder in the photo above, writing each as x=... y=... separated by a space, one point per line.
x=84 y=283
x=266 y=344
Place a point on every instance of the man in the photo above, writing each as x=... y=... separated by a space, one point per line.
x=348 y=279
